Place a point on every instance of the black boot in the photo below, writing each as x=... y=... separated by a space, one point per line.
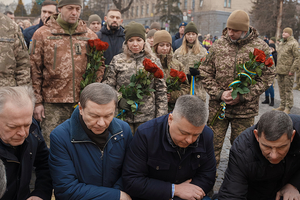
x=272 y=102
x=266 y=101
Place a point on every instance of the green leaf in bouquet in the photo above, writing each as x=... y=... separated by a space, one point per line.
x=130 y=102
x=141 y=103
x=138 y=86
x=131 y=84
x=246 y=90
x=132 y=78
x=240 y=90
x=253 y=81
x=139 y=96
x=258 y=71
x=151 y=90
x=148 y=82
x=234 y=94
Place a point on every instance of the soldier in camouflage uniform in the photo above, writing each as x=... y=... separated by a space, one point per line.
x=190 y=52
x=127 y=63
x=58 y=60
x=297 y=87
x=287 y=62
x=219 y=70
x=163 y=50
x=14 y=58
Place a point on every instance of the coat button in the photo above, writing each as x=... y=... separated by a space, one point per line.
x=199 y=165
x=121 y=135
x=179 y=167
x=198 y=156
x=115 y=138
x=157 y=167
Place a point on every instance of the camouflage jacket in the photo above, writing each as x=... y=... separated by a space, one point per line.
x=119 y=72
x=188 y=61
x=288 y=59
x=168 y=63
x=219 y=70
x=14 y=58
x=58 y=61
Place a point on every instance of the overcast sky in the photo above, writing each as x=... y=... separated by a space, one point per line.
x=10 y=1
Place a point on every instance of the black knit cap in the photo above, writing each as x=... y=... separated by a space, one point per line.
x=134 y=29
x=191 y=27
x=62 y=3
x=49 y=2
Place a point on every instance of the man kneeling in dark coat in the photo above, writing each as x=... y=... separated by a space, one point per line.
x=172 y=157
x=264 y=161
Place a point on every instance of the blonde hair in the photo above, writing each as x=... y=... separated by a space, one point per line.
x=184 y=49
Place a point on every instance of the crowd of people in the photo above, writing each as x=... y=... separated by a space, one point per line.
x=70 y=136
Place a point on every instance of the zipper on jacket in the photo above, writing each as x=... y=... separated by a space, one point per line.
x=73 y=68
x=108 y=141
x=54 y=60
x=102 y=151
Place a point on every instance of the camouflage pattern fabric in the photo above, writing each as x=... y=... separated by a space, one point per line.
x=288 y=56
x=119 y=72
x=219 y=70
x=168 y=63
x=298 y=79
x=285 y=85
x=14 y=58
x=188 y=61
x=238 y=125
x=58 y=61
x=55 y=113
x=134 y=127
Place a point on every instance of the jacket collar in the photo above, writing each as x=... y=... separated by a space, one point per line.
x=77 y=133
x=56 y=29
x=252 y=34
x=197 y=146
x=119 y=32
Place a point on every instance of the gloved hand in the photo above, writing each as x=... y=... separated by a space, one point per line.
x=123 y=104
x=194 y=71
x=189 y=77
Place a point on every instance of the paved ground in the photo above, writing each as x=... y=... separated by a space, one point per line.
x=262 y=109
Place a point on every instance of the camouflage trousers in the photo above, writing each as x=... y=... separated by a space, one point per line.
x=134 y=126
x=285 y=84
x=219 y=127
x=55 y=113
x=298 y=77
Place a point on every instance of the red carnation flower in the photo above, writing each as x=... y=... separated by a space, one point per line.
x=269 y=62
x=174 y=72
x=91 y=43
x=182 y=76
x=159 y=73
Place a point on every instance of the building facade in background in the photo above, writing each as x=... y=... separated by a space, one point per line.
x=210 y=16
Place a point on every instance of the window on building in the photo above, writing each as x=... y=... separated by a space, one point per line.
x=137 y=11
x=147 y=9
x=185 y=4
x=225 y=3
x=229 y=4
x=132 y=11
x=201 y=3
x=193 y=4
x=179 y=4
x=142 y=10
x=153 y=8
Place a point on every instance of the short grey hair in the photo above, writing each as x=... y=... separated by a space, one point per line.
x=274 y=124
x=19 y=95
x=192 y=108
x=98 y=93
x=2 y=179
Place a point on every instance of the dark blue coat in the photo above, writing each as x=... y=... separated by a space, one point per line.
x=251 y=176
x=79 y=169
x=176 y=44
x=34 y=153
x=28 y=32
x=152 y=164
x=175 y=37
x=115 y=41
